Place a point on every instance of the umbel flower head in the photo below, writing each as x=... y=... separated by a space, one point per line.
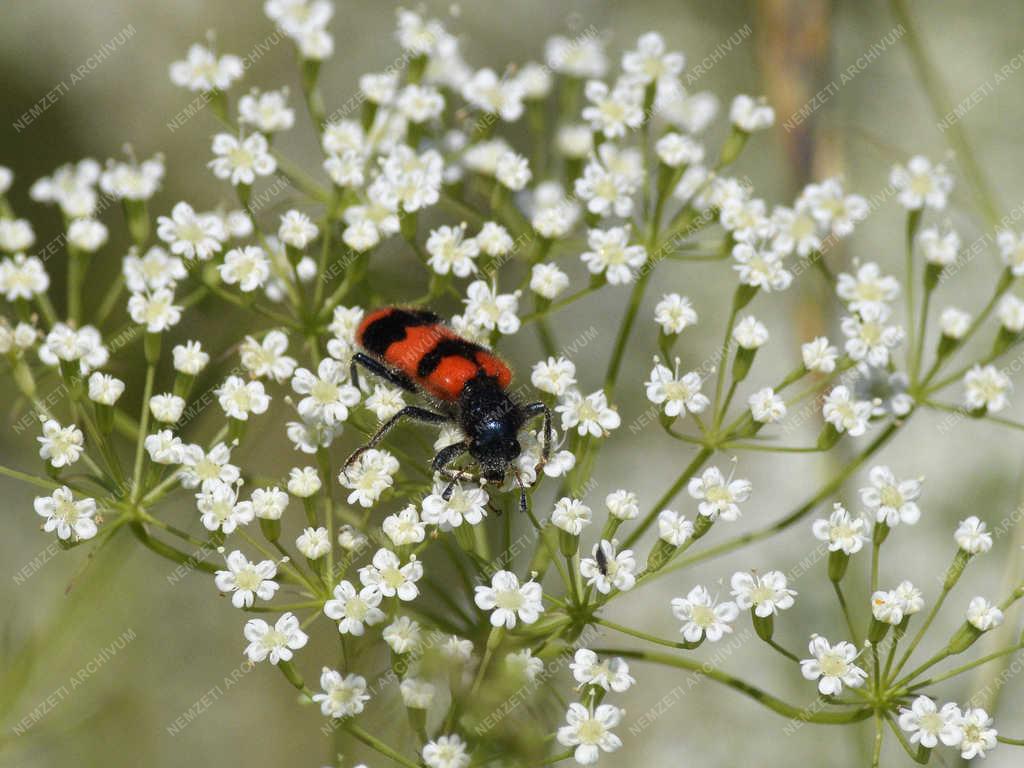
x=550 y=209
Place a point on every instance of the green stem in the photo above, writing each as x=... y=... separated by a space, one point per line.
x=666 y=498
x=770 y=530
x=143 y=429
x=771 y=702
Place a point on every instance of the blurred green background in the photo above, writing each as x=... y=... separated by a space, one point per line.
x=187 y=640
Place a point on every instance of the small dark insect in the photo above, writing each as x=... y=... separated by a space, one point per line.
x=415 y=350
x=602 y=560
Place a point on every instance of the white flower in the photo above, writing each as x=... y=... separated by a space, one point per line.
x=166 y=407
x=86 y=235
x=371 y=475
x=508 y=601
x=327 y=397
x=164 y=447
x=622 y=504
x=22 y=277
x=488 y=92
x=679 y=395
x=556 y=375
x=238 y=398
x=832 y=666
x=766 y=407
x=246 y=581
x=571 y=515
x=887 y=607
x=703 y=616
x=189 y=358
x=972 y=537
x=404 y=527
x=613 y=111
x=676 y=150
x=192 y=235
x=313 y=543
x=384 y=401
x=1011 y=248
x=104 y=389
x=607 y=570
x=69 y=518
x=156 y=269
x=983 y=615
x=910 y=598
x=766 y=594
x=612 y=255
x=649 y=62
x=241 y=161
x=402 y=635
x=268 y=358
x=575 y=140
x=845 y=413
x=832 y=207
x=494 y=239
x=420 y=103
x=986 y=388
x=869 y=288
x=275 y=643
x=760 y=266
x=387 y=576
x=581 y=57
x=269 y=503
x=513 y=171
x=486 y=308
x=220 y=508
x=718 y=496
x=750 y=333
x=524 y=665
x=203 y=70
x=268 y=112
x=451 y=251
x=61 y=446
x=604 y=191
x=842 y=531
x=928 y=725
x=446 y=752
x=17 y=235
x=548 y=280
x=133 y=180
x=750 y=114
x=889 y=500
x=674 y=528
x=354 y=610
x=303 y=482
x=674 y=313
x=955 y=322
x=920 y=184
x=940 y=248
x=868 y=338
x=1011 y=314
x=978 y=735
x=466 y=504
x=590 y=731
x=797 y=229
x=417 y=693
x=589 y=415
x=156 y=310
x=297 y=229
x=342 y=696
x=610 y=674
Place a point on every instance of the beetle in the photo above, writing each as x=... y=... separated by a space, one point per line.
x=468 y=384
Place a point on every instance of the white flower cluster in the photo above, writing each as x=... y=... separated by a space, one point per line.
x=398 y=557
